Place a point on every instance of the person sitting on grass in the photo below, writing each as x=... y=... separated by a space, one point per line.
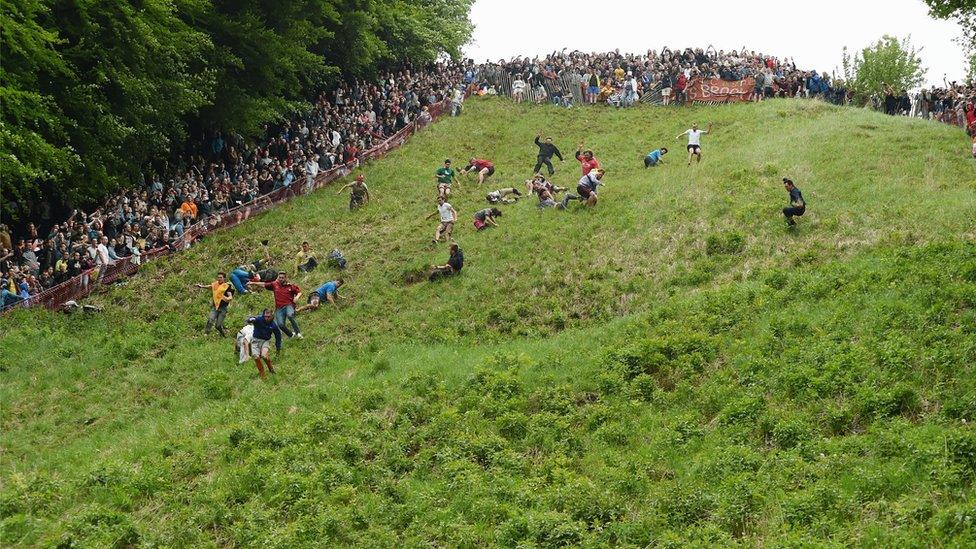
x=797 y=207
x=484 y=168
x=264 y=327
x=445 y=177
x=305 y=259
x=655 y=157
x=448 y=217
x=328 y=291
x=359 y=194
x=453 y=266
x=500 y=196
x=486 y=218
x=586 y=189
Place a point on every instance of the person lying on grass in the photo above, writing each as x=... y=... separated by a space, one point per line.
x=486 y=218
x=264 y=327
x=500 y=196
x=453 y=266
x=546 y=192
x=655 y=157
x=328 y=292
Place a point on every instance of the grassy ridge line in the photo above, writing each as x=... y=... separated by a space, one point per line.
x=855 y=362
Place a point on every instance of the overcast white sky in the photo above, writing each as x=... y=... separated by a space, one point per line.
x=812 y=32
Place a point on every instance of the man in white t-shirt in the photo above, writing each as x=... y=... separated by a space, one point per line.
x=448 y=217
x=694 y=141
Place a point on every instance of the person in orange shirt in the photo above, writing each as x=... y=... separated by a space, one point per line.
x=189 y=209
x=222 y=296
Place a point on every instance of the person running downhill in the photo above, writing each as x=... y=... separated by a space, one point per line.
x=222 y=296
x=655 y=157
x=694 y=141
x=484 y=167
x=587 y=162
x=448 y=217
x=586 y=188
x=546 y=152
x=486 y=218
x=797 y=205
x=500 y=196
x=445 y=177
x=264 y=327
x=285 y=294
x=328 y=292
x=359 y=194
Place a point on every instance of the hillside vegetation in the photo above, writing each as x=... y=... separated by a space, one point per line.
x=672 y=367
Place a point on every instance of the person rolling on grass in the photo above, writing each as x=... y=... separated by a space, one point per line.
x=285 y=295
x=486 y=218
x=448 y=216
x=546 y=192
x=500 y=196
x=453 y=266
x=484 y=168
x=586 y=189
x=328 y=292
x=546 y=151
x=797 y=205
x=655 y=157
x=359 y=194
x=445 y=177
x=694 y=141
x=587 y=162
x=264 y=327
x=222 y=294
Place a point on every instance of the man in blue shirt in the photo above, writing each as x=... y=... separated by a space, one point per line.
x=264 y=327
x=328 y=292
x=655 y=157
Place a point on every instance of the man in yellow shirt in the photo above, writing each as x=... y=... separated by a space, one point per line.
x=222 y=294
x=305 y=259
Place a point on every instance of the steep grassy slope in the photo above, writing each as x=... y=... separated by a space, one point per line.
x=671 y=367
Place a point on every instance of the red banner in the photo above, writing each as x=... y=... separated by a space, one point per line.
x=716 y=90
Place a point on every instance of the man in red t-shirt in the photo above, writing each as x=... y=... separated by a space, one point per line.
x=484 y=167
x=285 y=295
x=586 y=160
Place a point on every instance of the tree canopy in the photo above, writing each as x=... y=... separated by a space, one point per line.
x=887 y=63
x=964 y=13
x=93 y=90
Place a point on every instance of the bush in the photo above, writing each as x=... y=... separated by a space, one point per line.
x=727 y=243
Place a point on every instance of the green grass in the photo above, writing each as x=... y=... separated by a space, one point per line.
x=671 y=368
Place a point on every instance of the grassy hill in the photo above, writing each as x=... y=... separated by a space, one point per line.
x=671 y=368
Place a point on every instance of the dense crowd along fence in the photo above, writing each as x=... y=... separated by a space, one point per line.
x=85 y=283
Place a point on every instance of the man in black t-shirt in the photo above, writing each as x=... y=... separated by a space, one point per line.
x=453 y=266
x=797 y=205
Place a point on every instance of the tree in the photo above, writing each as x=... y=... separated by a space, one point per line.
x=886 y=63
x=963 y=12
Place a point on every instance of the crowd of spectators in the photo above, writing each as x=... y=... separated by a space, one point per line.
x=952 y=103
x=622 y=78
x=228 y=172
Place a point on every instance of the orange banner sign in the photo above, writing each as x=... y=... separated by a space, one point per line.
x=716 y=90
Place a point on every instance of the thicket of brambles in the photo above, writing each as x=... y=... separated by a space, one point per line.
x=92 y=91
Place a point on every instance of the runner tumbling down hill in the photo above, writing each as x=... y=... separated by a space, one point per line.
x=501 y=196
x=486 y=218
x=359 y=194
x=655 y=157
x=328 y=292
x=694 y=141
x=445 y=176
x=484 y=168
x=586 y=188
x=587 y=162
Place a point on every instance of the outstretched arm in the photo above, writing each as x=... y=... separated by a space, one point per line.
x=344 y=187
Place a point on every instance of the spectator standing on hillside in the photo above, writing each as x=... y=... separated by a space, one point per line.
x=221 y=296
x=546 y=152
x=448 y=216
x=694 y=141
x=445 y=177
x=285 y=294
x=797 y=205
x=359 y=193
x=264 y=327
x=453 y=266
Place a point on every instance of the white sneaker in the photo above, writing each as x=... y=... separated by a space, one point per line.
x=299 y=336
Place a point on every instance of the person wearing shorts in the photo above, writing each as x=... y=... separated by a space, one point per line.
x=694 y=141
x=445 y=176
x=327 y=292
x=264 y=328
x=359 y=194
x=586 y=188
x=484 y=168
x=486 y=218
x=500 y=196
x=448 y=216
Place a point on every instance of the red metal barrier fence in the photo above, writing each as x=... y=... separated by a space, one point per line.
x=82 y=285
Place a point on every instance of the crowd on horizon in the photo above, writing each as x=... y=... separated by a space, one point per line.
x=348 y=120
x=227 y=172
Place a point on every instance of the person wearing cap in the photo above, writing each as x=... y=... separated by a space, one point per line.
x=359 y=194
x=445 y=177
x=264 y=327
x=797 y=205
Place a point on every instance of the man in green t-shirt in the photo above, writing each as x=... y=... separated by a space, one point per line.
x=445 y=177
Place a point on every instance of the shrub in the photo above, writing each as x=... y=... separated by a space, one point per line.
x=727 y=243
